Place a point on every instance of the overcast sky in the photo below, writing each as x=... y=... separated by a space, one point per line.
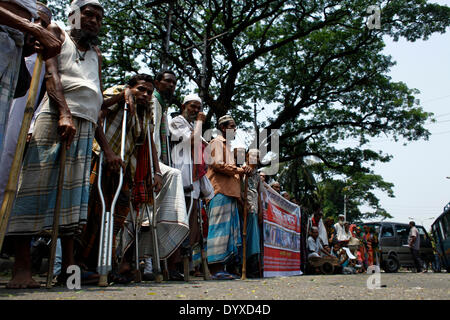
x=419 y=170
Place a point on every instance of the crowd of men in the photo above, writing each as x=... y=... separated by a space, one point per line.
x=160 y=157
x=199 y=203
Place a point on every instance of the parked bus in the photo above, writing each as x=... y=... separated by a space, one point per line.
x=441 y=233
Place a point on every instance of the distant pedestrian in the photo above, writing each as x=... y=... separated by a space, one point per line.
x=414 y=245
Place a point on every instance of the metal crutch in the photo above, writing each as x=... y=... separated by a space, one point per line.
x=152 y=217
x=244 y=233
x=107 y=227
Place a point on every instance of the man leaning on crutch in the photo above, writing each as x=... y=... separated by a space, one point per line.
x=133 y=104
x=186 y=131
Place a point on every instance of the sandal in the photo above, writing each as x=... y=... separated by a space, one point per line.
x=223 y=275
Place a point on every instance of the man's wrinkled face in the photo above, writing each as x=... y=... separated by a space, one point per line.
x=91 y=20
x=191 y=110
x=315 y=234
x=167 y=85
x=229 y=130
x=143 y=91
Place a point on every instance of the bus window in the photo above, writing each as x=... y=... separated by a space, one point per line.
x=402 y=233
x=387 y=231
x=446 y=225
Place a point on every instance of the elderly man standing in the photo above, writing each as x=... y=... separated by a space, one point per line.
x=15 y=17
x=69 y=113
x=224 y=232
x=186 y=129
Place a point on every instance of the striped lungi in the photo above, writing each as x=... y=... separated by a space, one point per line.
x=38 y=182
x=224 y=232
x=173 y=224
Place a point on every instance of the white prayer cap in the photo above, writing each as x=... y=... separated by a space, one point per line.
x=225 y=118
x=192 y=97
x=342 y=216
x=77 y=4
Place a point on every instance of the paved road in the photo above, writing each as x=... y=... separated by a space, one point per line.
x=402 y=285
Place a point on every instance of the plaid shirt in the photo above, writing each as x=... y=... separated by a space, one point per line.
x=135 y=134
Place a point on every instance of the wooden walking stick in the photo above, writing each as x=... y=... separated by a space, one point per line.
x=244 y=233
x=11 y=187
x=57 y=210
x=206 y=273
x=185 y=252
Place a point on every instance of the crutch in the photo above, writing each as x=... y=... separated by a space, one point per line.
x=11 y=187
x=107 y=227
x=56 y=213
x=206 y=274
x=152 y=216
x=190 y=189
x=244 y=233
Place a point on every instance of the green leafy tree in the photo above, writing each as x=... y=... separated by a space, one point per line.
x=316 y=61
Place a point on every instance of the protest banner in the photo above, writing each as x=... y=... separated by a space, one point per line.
x=281 y=231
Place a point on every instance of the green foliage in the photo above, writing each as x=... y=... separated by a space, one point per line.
x=315 y=60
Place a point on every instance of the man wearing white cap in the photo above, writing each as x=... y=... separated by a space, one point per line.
x=69 y=113
x=224 y=235
x=186 y=132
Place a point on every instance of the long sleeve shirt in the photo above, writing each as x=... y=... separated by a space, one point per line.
x=222 y=170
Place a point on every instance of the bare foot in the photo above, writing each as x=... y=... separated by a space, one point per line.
x=22 y=280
